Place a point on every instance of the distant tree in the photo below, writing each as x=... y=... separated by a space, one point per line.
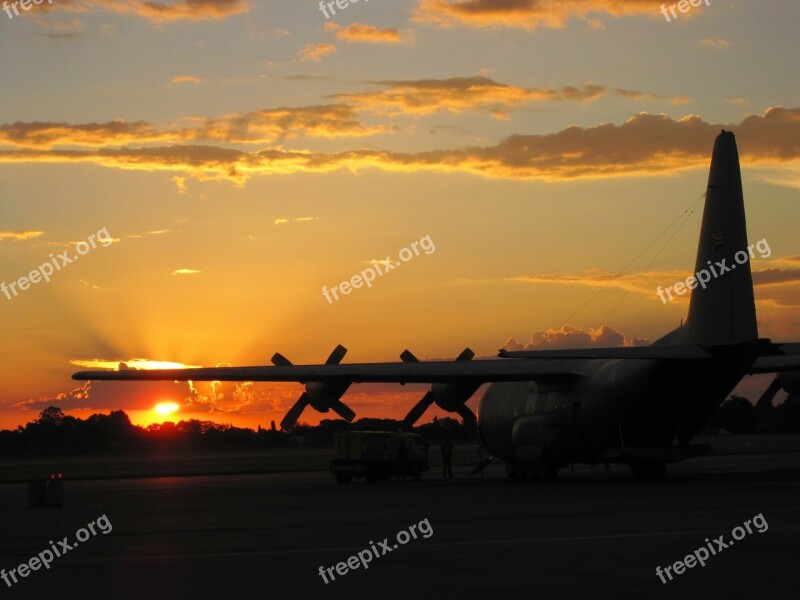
x=50 y=417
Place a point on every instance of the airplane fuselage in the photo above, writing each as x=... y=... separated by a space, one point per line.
x=613 y=406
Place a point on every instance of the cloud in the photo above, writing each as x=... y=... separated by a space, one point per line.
x=158 y=12
x=186 y=272
x=283 y=221
x=315 y=52
x=257 y=127
x=186 y=79
x=359 y=32
x=643 y=96
x=776 y=276
x=640 y=283
x=60 y=29
x=644 y=145
x=180 y=183
x=458 y=94
x=527 y=14
x=19 y=235
x=212 y=397
x=113 y=395
x=46 y=135
x=569 y=337
x=715 y=42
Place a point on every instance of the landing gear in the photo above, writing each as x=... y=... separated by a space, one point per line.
x=648 y=470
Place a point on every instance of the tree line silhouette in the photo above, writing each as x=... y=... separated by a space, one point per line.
x=114 y=432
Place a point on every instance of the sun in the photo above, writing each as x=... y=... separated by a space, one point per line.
x=166 y=408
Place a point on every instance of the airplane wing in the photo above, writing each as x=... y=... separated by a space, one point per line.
x=326 y=383
x=483 y=371
x=525 y=366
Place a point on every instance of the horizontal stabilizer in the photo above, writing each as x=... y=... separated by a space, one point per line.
x=779 y=359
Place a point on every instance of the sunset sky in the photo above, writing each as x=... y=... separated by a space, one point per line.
x=242 y=154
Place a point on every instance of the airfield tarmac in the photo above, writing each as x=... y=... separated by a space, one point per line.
x=593 y=534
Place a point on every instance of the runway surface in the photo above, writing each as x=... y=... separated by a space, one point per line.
x=593 y=534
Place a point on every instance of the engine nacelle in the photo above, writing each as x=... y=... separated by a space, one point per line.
x=322 y=396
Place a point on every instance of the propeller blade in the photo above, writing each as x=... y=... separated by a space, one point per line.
x=279 y=360
x=407 y=357
x=769 y=394
x=344 y=411
x=337 y=355
x=419 y=408
x=294 y=413
x=466 y=354
x=466 y=414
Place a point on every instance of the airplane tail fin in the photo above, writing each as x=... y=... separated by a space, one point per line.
x=722 y=307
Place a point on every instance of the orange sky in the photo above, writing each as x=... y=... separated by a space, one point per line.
x=240 y=156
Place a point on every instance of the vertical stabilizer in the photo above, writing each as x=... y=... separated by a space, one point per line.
x=724 y=311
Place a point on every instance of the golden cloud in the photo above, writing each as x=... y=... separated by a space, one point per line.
x=186 y=79
x=19 y=235
x=159 y=12
x=527 y=14
x=256 y=127
x=457 y=94
x=644 y=145
x=315 y=52
x=570 y=337
x=186 y=272
x=359 y=32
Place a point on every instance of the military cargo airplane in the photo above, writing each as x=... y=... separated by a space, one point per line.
x=547 y=409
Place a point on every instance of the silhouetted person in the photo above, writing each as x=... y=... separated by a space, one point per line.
x=447 y=459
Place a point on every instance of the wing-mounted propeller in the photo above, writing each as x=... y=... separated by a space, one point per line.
x=451 y=397
x=322 y=396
